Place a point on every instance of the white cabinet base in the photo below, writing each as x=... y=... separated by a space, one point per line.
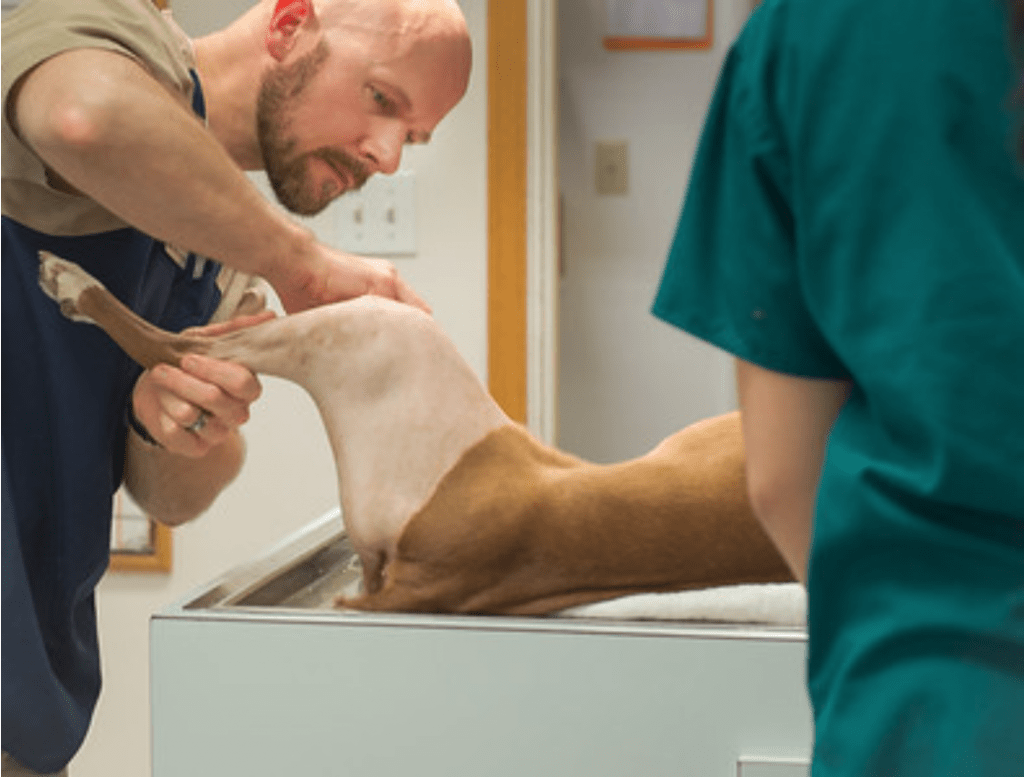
x=254 y=690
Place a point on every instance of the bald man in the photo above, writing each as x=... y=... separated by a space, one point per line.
x=124 y=149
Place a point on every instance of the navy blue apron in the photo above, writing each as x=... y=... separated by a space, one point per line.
x=64 y=399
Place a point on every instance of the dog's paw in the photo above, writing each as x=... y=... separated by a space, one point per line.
x=64 y=282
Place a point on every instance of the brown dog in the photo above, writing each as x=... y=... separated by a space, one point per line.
x=453 y=507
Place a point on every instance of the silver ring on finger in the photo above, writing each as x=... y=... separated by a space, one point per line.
x=196 y=426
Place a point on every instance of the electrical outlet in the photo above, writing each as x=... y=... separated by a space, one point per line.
x=611 y=168
x=380 y=218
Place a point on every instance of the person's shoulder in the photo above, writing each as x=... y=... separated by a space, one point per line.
x=840 y=28
x=810 y=50
x=99 y=16
x=39 y=29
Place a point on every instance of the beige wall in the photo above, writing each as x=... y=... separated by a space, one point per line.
x=627 y=380
x=289 y=478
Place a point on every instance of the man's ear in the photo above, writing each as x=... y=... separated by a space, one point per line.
x=288 y=17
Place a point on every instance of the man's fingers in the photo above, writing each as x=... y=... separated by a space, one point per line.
x=404 y=293
x=215 y=376
x=392 y=285
x=190 y=412
x=232 y=325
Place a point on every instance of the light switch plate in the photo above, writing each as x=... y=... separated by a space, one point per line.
x=380 y=218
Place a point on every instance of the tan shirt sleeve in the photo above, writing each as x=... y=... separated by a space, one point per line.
x=40 y=29
x=242 y=294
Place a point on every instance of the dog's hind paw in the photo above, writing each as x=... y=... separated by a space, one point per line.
x=64 y=282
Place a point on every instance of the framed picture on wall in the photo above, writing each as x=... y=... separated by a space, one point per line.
x=658 y=24
x=137 y=542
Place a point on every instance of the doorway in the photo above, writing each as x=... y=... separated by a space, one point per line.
x=573 y=349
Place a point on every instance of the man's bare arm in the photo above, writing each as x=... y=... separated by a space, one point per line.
x=114 y=133
x=786 y=423
x=174 y=489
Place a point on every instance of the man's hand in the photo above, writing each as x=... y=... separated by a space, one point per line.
x=168 y=400
x=178 y=481
x=332 y=276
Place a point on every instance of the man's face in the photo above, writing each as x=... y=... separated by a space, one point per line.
x=296 y=187
x=329 y=118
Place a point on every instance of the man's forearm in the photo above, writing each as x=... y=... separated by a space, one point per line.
x=115 y=134
x=175 y=489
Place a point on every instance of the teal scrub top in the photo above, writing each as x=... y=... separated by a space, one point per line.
x=856 y=211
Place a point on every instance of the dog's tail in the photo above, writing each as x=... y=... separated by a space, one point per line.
x=83 y=298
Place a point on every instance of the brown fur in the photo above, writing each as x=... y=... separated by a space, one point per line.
x=517 y=527
x=148 y=345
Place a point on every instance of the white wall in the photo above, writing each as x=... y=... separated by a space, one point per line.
x=627 y=380
x=288 y=479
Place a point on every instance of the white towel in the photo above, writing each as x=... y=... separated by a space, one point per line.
x=783 y=604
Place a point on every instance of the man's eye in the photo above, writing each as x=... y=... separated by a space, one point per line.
x=382 y=100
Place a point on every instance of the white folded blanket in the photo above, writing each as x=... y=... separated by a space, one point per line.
x=782 y=604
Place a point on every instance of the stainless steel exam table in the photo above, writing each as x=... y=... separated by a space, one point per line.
x=257 y=674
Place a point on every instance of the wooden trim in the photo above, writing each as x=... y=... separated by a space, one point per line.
x=622 y=43
x=506 y=204
x=542 y=226
x=157 y=559
x=656 y=44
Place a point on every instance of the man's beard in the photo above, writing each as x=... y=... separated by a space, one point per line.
x=289 y=173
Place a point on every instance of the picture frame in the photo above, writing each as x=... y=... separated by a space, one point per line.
x=653 y=25
x=137 y=542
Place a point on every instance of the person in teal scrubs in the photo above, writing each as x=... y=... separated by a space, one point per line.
x=853 y=233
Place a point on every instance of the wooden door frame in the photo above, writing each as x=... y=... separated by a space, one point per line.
x=506 y=205
x=522 y=210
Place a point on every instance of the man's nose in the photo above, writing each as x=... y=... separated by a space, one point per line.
x=382 y=147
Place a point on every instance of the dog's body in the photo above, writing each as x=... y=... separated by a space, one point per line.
x=451 y=505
